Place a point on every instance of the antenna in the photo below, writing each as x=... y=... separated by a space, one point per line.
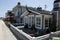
x=45 y=7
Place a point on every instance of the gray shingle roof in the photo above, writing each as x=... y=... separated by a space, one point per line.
x=39 y=11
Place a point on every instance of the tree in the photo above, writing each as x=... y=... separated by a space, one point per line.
x=10 y=16
x=52 y=27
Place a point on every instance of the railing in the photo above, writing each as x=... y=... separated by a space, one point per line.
x=20 y=33
x=18 y=23
x=44 y=37
x=54 y=34
x=23 y=36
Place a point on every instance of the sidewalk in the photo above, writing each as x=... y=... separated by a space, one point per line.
x=5 y=33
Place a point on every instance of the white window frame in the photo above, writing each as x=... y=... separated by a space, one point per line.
x=40 y=21
x=30 y=22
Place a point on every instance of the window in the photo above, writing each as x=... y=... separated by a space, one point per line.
x=46 y=22
x=38 y=21
x=16 y=14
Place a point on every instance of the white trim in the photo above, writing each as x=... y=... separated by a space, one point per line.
x=30 y=20
x=40 y=21
x=44 y=23
x=24 y=14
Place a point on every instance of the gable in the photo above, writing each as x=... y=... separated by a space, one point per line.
x=29 y=13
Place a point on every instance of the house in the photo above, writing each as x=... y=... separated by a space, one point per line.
x=31 y=16
x=40 y=18
x=18 y=10
x=36 y=16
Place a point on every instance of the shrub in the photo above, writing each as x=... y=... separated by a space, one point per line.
x=33 y=26
x=26 y=26
x=52 y=27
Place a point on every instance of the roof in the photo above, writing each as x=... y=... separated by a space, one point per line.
x=56 y=1
x=31 y=9
x=39 y=11
x=35 y=12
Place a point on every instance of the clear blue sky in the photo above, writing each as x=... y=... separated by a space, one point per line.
x=9 y=4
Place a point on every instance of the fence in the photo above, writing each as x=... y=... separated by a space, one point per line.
x=20 y=33
x=23 y=36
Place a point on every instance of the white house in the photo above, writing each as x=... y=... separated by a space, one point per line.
x=41 y=19
x=32 y=16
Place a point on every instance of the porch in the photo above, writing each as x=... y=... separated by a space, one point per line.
x=40 y=22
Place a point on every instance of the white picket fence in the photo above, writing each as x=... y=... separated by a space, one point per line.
x=23 y=36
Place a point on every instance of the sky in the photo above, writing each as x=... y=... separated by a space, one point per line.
x=6 y=5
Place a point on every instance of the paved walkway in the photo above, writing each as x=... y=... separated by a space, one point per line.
x=5 y=33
